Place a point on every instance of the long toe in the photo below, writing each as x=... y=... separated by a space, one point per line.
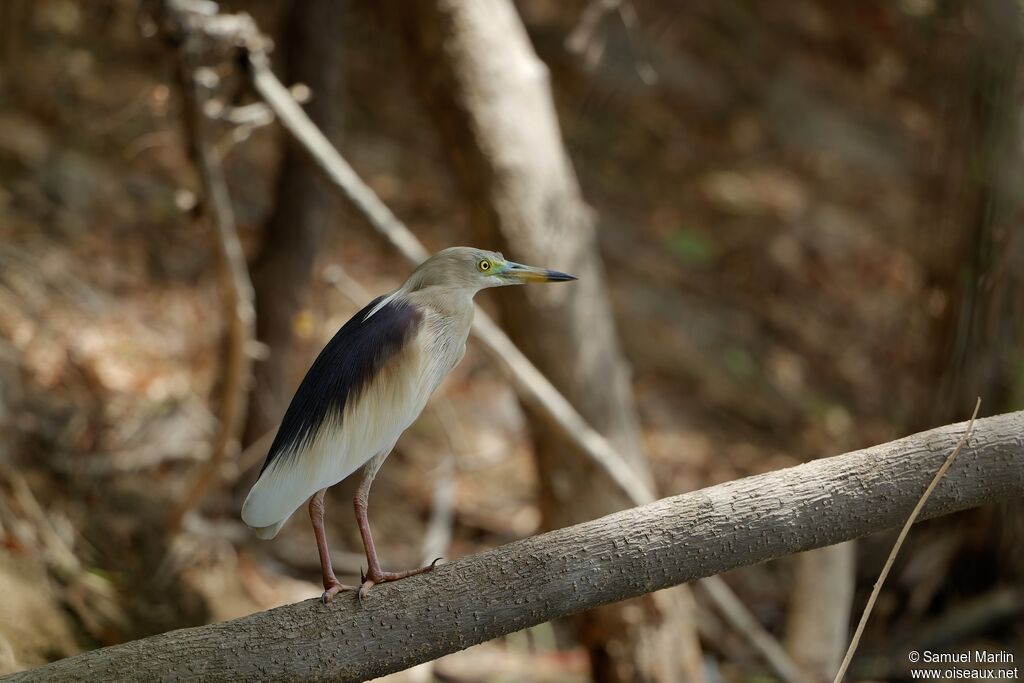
x=364 y=589
x=373 y=578
x=395 y=576
x=333 y=589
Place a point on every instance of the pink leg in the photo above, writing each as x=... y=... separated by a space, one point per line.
x=316 y=514
x=374 y=575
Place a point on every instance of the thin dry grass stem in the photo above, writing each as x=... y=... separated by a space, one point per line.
x=899 y=543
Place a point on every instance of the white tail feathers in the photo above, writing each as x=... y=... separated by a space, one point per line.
x=268 y=532
x=268 y=507
x=293 y=476
x=281 y=489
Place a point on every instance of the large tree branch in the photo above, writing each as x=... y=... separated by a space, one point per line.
x=620 y=556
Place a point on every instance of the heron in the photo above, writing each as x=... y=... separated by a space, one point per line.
x=369 y=383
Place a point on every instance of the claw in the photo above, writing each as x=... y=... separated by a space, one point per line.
x=363 y=590
x=332 y=588
x=378 y=576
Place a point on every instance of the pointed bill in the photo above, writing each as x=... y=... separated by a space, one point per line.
x=517 y=272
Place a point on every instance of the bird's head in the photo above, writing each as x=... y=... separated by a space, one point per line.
x=476 y=269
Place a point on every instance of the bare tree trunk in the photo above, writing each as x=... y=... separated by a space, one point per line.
x=490 y=95
x=295 y=230
x=979 y=262
x=817 y=630
x=979 y=258
x=508 y=588
x=818 y=625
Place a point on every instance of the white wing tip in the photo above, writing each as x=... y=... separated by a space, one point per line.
x=268 y=532
x=273 y=499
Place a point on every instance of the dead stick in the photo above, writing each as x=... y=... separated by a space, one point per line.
x=235 y=281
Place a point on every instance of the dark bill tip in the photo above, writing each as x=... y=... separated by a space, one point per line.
x=556 y=276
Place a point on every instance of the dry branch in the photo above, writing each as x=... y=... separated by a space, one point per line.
x=717 y=591
x=630 y=553
x=235 y=281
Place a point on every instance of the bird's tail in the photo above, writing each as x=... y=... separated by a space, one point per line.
x=279 y=491
x=260 y=507
x=268 y=532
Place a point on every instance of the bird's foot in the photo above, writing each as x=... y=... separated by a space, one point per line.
x=332 y=588
x=374 y=577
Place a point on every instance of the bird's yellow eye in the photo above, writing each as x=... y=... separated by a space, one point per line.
x=484 y=265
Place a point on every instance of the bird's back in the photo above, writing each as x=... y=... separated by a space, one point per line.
x=360 y=393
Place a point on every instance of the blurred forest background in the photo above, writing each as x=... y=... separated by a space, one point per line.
x=809 y=218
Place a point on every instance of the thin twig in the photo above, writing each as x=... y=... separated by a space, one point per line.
x=327 y=158
x=899 y=543
x=743 y=622
x=235 y=281
x=582 y=37
x=641 y=63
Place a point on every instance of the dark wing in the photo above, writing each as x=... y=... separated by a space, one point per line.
x=349 y=362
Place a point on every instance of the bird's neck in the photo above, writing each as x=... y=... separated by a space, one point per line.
x=455 y=302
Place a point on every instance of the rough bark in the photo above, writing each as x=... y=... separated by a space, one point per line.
x=294 y=232
x=490 y=95
x=623 y=555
